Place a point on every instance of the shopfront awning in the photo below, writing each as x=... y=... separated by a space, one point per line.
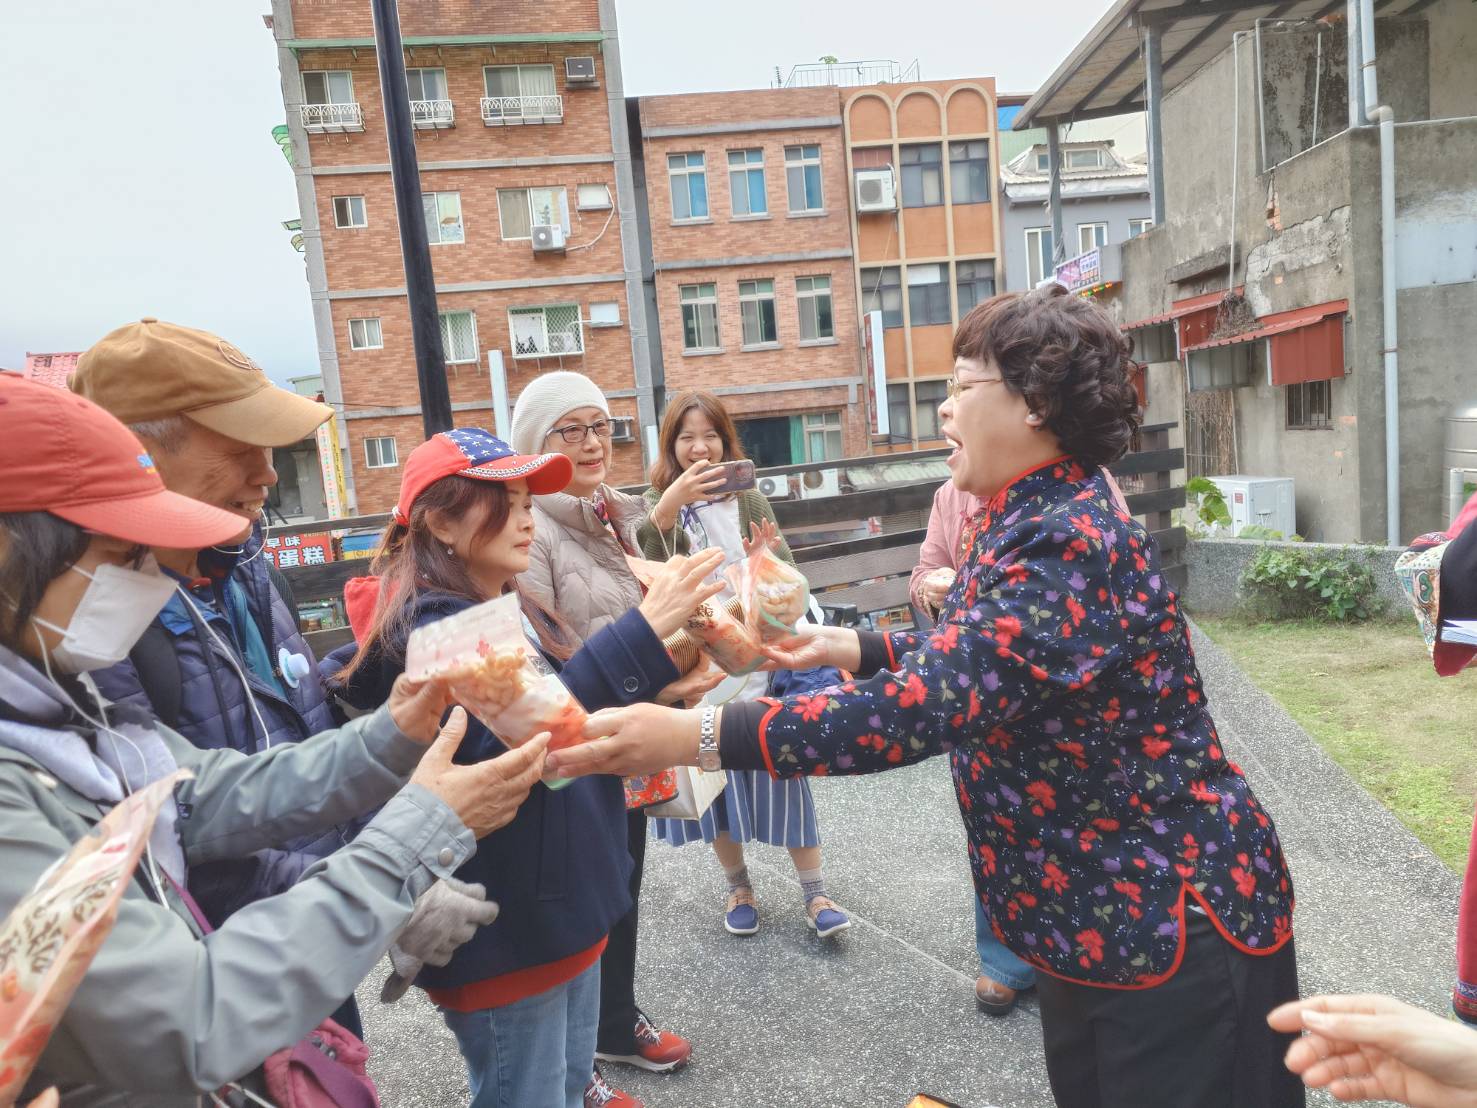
x=1305 y=344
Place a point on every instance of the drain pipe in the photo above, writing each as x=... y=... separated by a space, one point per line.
x=1384 y=116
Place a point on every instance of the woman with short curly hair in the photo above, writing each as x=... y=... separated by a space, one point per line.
x=1115 y=846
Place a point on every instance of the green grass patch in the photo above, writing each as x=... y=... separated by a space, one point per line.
x=1368 y=694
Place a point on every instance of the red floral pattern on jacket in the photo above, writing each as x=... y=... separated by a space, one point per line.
x=1094 y=789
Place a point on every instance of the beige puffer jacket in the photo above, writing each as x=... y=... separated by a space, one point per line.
x=576 y=567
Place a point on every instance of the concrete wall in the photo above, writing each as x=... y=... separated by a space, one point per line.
x=1216 y=565
x=1116 y=211
x=1453 y=45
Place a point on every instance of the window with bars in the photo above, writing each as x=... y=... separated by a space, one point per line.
x=929 y=395
x=443 y=212
x=969 y=172
x=813 y=300
x=975 y=282
x=756 y=311
x=928 y=295
x=459 y=337
x=348 y=211
x=1310 y=406
x=923 y=174
x=746 y=182
x=364 y=334
x=380 y=452
x=803 y=178
x=688 y=175
x=822 y=436
x=882 y=291
x=548 y=331
x=899 y=412
x=699 y=317
x=521 y=210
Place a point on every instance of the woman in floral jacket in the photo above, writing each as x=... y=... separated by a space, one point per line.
x=1115 y=846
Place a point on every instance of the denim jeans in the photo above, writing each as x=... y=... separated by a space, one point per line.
x=996 y=962
x=534 y=1053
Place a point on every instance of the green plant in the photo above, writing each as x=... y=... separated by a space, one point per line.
x=1210 y=505
x=1255 y=531
x=1293 y=584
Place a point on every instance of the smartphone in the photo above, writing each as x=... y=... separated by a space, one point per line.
x=737 y=477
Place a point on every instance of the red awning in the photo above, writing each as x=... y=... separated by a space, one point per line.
x=1306 y=344
x=1181 y=308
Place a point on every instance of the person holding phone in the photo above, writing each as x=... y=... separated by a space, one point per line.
x=702 y=497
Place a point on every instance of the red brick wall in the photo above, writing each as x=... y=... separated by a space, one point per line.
x=341 y=19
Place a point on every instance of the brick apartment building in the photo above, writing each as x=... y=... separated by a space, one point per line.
x=751 y=275
x=529 y=206
x=927 y=236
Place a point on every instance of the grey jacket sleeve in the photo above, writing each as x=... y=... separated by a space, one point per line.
x=239 y=804
x=162 y=1011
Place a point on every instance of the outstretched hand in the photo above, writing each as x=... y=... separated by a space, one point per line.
x=763 y=535
x=640 y=738
x=816 y=646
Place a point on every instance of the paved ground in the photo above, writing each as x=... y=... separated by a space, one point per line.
x=886 y=1010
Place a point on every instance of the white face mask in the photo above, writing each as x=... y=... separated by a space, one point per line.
x=111 y=617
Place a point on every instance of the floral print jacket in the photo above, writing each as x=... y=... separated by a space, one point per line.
x=1094 y=789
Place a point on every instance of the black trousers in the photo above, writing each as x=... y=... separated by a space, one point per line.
x=618 y=964
x=1200 y=1039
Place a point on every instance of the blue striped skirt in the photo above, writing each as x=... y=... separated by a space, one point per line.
x=753 y=806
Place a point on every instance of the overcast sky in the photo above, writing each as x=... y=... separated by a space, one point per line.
x=140 y=178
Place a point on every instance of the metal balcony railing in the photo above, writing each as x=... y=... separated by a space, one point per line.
x=431 y=113
x=319 y=118
x=877 y=71
x=498 y=111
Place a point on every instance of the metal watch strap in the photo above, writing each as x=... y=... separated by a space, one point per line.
x=708 y=759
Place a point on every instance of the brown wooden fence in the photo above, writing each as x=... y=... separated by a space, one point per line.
x=870 y=573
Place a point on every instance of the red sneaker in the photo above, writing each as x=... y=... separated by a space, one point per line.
x=600 y=1093
x=657 y=1051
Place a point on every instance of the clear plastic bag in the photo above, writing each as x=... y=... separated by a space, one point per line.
x=720 y=630
x=774 y=594
x=498 y=675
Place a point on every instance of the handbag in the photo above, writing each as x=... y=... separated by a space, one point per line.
x=646 y=789
x=324 y=1069
x=696 y=792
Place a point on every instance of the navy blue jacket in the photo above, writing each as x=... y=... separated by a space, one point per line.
x=560 y=870
x=214 y=713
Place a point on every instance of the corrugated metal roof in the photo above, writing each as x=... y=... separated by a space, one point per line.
x=1276 y=324
x=1104 y=74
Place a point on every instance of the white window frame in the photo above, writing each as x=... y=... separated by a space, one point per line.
x=348 y=202
x=694 y=297
x=1098 y=233
x=559 y=195
x=826 y=424
x=1080 y=157
x=433 y=229
x=420 y=71
x=378 y=460
x=1043 y=161
x=685 y=171
x=1035 y=261
x=807 y=305
x=751 y=291
x=364 y=329
x=326 y=74
x=551 y=111
x=738 y=177
x=1137 y=227
x=446 y=334
x=799 y=158
x=544 y=351
x=587 y=200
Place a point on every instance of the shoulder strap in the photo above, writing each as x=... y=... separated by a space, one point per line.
x=157 y=664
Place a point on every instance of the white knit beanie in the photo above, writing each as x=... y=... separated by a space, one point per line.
x=545 y=401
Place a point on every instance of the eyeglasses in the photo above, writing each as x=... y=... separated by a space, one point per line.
x=579 y=432
x=957 y=387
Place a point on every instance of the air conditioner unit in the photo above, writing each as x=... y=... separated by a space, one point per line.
x=776 y=488
x=876 y=190
x=548 y=239
x=820 y=482
x=579 y=71
x=623 y=429
x=1259 y=501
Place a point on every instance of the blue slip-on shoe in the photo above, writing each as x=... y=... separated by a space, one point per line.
x=741 y=917
x=825 y=918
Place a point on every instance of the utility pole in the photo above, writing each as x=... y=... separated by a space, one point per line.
x=415 y=251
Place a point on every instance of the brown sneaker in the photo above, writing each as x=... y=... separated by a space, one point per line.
x=993 y=998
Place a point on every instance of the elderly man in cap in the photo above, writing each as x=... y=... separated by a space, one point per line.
x=225 y=664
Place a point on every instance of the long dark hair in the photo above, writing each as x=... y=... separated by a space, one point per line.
x=38 y=548
x=411 y=560
x=666 y=469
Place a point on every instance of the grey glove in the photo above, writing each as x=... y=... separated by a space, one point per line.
x=447 y=915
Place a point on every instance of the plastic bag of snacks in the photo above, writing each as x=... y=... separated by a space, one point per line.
x=497 y=675
x=719 y=629
x=774 y=594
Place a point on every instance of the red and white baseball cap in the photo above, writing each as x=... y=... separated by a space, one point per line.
x=62 y=454
x=473 y=452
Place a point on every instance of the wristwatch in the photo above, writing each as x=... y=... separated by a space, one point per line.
x=707 y=745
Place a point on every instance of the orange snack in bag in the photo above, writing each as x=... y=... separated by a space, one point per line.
x=775 y=595
x=720 y=630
